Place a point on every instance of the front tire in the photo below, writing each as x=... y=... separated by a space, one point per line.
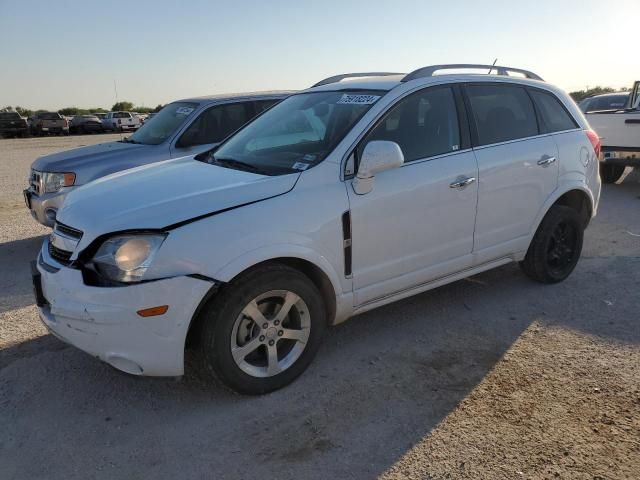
x=261 y=331
x=556 y=246
x=611 y=173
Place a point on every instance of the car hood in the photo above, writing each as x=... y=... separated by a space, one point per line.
x=71 y=160
x=164 y=194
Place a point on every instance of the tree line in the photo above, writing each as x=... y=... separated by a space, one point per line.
x=129 y=107
x=71 y=111
x=590 y=92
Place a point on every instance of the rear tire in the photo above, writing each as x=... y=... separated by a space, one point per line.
x=556 y=246
x=247 y=344
x=611 y=173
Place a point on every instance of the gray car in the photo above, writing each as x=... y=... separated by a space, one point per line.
x=185 y=127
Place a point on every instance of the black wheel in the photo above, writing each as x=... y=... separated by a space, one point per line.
x=611 y=173
x=261 y=331
x=556 y=246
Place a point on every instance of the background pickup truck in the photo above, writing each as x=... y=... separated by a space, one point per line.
x=11 y=123
x=121 y=121
x=49 y=122
x=620 y=134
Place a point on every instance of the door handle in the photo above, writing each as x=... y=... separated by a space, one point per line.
x=545 y=161
x=462 y=183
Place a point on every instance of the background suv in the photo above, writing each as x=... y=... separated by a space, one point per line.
x=365 y=189
x=181 y=128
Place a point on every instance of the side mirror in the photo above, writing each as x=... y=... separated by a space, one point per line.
x=377 y=156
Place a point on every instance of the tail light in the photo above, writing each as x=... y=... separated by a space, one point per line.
x=595 y=141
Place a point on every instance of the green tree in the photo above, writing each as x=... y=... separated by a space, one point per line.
x=142 y=109
x=24 y=112
x=122 y=107
x=69 y=111
x=158 y=108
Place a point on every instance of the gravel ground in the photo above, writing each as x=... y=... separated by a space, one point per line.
x=492 y=377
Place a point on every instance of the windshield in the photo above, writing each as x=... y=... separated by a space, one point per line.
x=163 y=124
x=296 y=134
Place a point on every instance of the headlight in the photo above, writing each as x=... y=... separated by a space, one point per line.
x=126 y=258
x=52 y=182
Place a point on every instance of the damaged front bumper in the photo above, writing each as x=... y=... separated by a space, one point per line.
x=103 y=321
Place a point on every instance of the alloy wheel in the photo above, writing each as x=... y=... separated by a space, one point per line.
x=270 y=333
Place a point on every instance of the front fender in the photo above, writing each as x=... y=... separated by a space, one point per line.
x=274 y=251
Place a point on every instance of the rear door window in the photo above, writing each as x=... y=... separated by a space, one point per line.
x=553 y=115
x=501 y=113
x=216 y=123
x=424 y=124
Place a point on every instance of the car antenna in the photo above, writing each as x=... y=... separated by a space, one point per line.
x=115 y=89
x=493 y=65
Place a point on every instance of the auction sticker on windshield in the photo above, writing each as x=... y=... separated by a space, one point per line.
x=358 y=99
x=184 y=110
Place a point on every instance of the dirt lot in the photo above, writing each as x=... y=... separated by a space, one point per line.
x=492 y=377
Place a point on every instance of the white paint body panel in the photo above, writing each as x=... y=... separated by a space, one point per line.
x=103 y=321
x=425 y=224
x=410 y=233
x=617 y=129
x=512 y=187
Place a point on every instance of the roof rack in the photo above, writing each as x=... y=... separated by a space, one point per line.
x=337 y=78
x=432 y=69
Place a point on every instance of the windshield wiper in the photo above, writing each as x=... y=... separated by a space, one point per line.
x=236 y=164
x=128 y=140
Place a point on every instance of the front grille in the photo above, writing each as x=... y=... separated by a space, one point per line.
x=68 y=231
x=61 y=256
x=34 y=181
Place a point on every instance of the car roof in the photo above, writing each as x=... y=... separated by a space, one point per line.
x=223 y=97
x=388 y=82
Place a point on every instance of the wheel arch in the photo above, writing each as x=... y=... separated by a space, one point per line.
x=579 y=201
x=318 y=276
x=312 y=271
x=575 y=196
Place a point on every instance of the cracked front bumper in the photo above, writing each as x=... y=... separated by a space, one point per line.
x=103 y=322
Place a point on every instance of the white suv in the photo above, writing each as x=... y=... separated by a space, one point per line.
x=365 y=189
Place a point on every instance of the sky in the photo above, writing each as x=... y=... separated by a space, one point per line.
x=70 y=53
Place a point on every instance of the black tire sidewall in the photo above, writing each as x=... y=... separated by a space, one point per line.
x=611 y=173
x=221 y=314
x=536 y=261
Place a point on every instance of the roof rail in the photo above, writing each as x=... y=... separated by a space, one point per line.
x=337 y=78
x=432 y=69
